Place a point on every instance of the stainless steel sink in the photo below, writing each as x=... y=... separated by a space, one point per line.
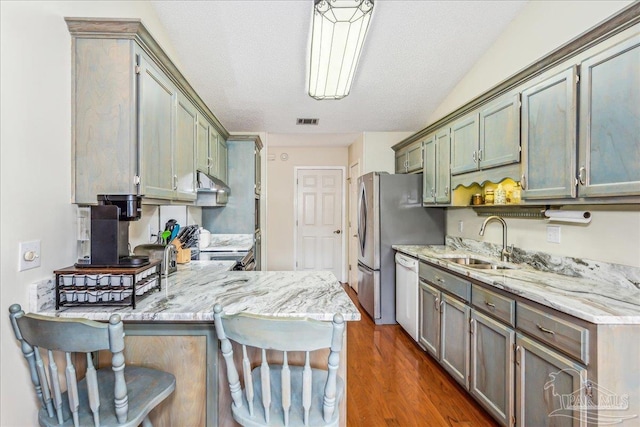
x=472 y=262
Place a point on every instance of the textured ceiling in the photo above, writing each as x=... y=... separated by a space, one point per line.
x=248 y=61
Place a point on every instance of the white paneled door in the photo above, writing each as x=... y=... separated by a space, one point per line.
x=319 y=233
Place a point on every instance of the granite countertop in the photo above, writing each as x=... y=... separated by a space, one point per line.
x=596 y=292
x=230 y=242
x=190 y=294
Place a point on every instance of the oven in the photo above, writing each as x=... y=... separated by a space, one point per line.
x=245 y=260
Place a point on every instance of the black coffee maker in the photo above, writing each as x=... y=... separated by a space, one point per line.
x=110 y=231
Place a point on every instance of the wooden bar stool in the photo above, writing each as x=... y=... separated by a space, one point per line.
x=116 y=396
x=286 y=395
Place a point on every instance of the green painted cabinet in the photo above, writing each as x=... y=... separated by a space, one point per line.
x=491 y=376
x=549 y=137
x=222 y=155
x=203 y=159
x=488 y=137
x=429 y=327
x=184 y=156
x=454 y=338
x=436 y=175
x=609 y=142
x=409 y=159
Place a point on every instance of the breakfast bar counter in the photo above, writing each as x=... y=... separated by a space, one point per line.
x=172 y=329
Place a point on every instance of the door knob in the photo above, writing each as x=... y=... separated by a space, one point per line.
x=337 y=231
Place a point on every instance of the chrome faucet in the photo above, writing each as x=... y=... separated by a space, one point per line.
x=505 y=253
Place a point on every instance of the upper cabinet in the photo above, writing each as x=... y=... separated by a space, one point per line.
x=487 y=138
x=609 y=146
x=409 y=159
x=436 y=177
x=222 y=171
x=138 y=126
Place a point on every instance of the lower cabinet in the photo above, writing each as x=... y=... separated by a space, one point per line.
x=430 y=318
x=491 y=378
x=550 y=388
x=454 y=343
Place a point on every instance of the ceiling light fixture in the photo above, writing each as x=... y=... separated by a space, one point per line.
x=339 y=29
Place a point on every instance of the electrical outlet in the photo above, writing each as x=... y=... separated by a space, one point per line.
x=553 y=233
x=460 y=226
x=29 y=255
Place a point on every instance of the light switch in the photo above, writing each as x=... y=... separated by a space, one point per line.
x=553 y=233
x=29 y=255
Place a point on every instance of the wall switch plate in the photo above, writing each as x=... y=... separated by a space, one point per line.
x=553 y=233
x=29 y=255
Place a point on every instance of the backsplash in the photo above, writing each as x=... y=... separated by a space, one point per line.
x=625 y=276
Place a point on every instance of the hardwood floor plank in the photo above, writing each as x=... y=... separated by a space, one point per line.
x=393 y=382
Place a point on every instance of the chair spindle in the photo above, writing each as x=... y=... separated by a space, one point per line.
x=44 y=383
x=265 y=377
x=55 y=384
x=285 y=382
x=72 y=389
x=116 y=338
x=92 y=390
x=248 y=381
x=306 y=388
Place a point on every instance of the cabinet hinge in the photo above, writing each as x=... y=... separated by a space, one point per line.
x=137 y=69
x=136 y=180
x=513 y=420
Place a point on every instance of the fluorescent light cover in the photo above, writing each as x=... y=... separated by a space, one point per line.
x=339 y=29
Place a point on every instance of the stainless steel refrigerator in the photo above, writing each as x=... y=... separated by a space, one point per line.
x=390 y=212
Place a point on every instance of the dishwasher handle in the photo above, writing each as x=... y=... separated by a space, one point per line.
x=407 y=262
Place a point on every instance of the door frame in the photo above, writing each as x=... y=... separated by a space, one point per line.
x=351 y=225
x=342 y=169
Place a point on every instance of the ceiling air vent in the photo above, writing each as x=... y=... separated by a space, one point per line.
x=307 y=121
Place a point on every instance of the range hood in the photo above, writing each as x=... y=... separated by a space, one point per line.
x=211 y=191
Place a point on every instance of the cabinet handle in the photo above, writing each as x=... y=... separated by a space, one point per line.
x=436 y=304
x=518 y=353
x=433 y=191
x=480 y=155
x=439 y=279
x=472 y=329
x=545 y=330
x=446 y=190
x=523 y=181
x=473 y=156
x=581 y=175
x=490 y=305
x=175 y=182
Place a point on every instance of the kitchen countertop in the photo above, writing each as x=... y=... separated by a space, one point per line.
x=605 y=298
x=190 y=294
x=230 y=243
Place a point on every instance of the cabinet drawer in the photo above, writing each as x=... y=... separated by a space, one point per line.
x=498 y=306
x=448 y=282
x=559 y=333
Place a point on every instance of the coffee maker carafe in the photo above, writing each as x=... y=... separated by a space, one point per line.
x=110 y=231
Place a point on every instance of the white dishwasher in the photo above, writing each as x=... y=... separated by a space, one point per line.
x=407 y=287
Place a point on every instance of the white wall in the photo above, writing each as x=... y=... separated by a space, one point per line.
x=280 y=191
x=542 y=26
x=377 y=153
x=35 y=156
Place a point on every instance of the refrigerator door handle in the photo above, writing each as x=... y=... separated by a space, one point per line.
x=362 y=218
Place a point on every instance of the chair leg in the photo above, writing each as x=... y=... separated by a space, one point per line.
x=146 y=422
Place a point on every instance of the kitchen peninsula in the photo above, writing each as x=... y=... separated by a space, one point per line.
x=172 y=329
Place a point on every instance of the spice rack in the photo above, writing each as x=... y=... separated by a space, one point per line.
x=123 y=286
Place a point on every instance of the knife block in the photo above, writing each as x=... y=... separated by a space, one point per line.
x=184 y=254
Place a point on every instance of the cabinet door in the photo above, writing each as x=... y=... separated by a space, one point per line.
x=414 y=157
x=464 y=144
x=222 y=159
x=454 y=344
x=549 y=138
x=492 y=370
x=500 y=133
x=610 y=122
x=202 y=145
x=443 y=167
x=429 y=171
x=184 y=152
x=213 y=151
x=429 y=330
x=401 y=161
x=156 y=117
x=547 y=385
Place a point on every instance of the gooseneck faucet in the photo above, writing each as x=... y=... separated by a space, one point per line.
x=505 y=254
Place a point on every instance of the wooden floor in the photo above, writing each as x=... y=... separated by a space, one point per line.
x=392 y=382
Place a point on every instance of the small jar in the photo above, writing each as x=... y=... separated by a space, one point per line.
x=488 y=197
x=516 y=194
x=476 y=199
